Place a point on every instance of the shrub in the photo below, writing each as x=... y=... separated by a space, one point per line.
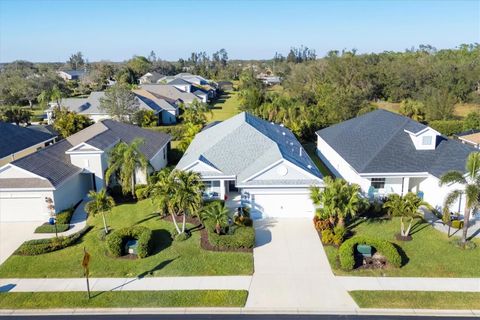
x=181 y=237
x=65 y=216
x=346 y=253
x=141 y=191
x=321 y=224
x=117 y=239
x=49 y=228
x=457 y=224
x=447 y=127
x=327 y=236
x=243 y=221
x=237 y=237
x=40 y=246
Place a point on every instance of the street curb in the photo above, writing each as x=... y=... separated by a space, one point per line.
x=236 y=311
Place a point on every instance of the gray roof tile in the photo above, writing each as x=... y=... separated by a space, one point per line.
x=16 y=138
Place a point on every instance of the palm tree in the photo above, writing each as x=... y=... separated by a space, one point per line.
x=471 y=189
x=404 y=207
x=218 y=213
x=189 y=132
x=179 y=193
x=338 y=200
x=100 y=202
x=124 y=159
x=46 y=96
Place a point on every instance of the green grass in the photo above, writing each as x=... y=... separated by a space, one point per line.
x=311 y=149
x=461 y=109
x=417 y=299
x=123 y=299
x=184 y=258
x=226 y=106
x=429 y=254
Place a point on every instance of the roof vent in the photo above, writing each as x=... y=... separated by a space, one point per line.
x=309 y=166
x=282 y=125
x=283 y=133
x=272 y=122
x=300 y=152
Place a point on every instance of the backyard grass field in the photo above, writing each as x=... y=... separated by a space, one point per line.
x=124 y=299
x=417 y=299
x=429 y=254
x=226 y=106
x=461 y=109
x=170 y=258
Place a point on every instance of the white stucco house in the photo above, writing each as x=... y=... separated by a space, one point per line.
x=260 y=162
x=166 y=110
x=65 y=171
x=17 y=141
x=386 y=153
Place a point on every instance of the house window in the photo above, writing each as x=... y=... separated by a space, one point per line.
x=164 y=153
x=427 y=140
x=212 y=184
x=378 y=183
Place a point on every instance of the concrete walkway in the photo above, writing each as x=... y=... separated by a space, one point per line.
x=77 y=223
x=410 y=284
x=127 y=284
x=434 y=221
x=292 y=270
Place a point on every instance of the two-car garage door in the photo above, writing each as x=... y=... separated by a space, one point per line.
x=21 y=209
x=282 y=205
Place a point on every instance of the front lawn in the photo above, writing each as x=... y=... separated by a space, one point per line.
x=124 y=299
x=417 y=299
x=429 y=254
x=184 y=258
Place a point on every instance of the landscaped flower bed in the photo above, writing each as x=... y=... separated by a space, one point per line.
x=117 y=240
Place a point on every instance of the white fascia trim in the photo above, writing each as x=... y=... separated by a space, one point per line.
x=21 y=169
x=310 y=174
x=74 y=150
x=218 y=177
x=419 y=133
x=26 y=189
x=396 y=174
x=468 y=141
x=276 y=186
x=253 y=176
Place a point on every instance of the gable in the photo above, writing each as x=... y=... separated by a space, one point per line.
x=282 y=170
x=10 y=171
x=83 y=147
x=202 y=167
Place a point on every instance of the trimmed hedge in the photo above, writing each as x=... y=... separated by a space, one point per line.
x=240 y=237
x=447 y=127
x=49 y=228
x=143 y=235
x=346 y=253
x=41 y=246
x=65 y=216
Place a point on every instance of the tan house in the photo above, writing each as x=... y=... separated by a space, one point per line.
x=471 y=137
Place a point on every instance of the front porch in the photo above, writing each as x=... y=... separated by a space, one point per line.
x=380 y=187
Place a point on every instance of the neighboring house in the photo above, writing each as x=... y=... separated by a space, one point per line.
x=225 y=85
x=181 y=84
x=167 y=112
x=71 y=74
x=386 y=153
x=269 y=80
x=17 y=142
x=262 y=161
x=471 y=137
x=171 y=93
x=150 y=77
x=65 y=171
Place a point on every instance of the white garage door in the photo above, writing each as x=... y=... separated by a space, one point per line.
x=22 y=209
x=282 y=205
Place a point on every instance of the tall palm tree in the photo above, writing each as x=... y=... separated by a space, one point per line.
x=404 y=207
x=470 y=182
x=218 y=213
x=124 y=159
x=100 y=202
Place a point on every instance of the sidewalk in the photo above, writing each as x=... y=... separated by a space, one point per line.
x=127 y=284
x=77 y=223
x=434 y=221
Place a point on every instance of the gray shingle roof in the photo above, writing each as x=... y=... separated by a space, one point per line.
x=377 y=143
x=244 y=145
x=170 y=92
x=53 y=164
x=15 y=138
x=179 y=81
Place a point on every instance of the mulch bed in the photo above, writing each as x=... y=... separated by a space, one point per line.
x=376 y=261
x=204 y=243
x=399 y=237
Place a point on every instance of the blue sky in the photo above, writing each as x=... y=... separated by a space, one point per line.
x=115 y=30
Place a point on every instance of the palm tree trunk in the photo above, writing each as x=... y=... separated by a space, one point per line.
x=133 y=184
x=466 y=221
x=407 y=232
x=175 y=223
x=183 y=223
x=104 y=223
x=341 y=222
x=402 y=227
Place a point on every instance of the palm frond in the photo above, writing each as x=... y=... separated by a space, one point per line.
x=452 y=177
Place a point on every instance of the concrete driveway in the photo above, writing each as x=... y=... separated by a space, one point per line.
x=292 y=270
x=12 y=235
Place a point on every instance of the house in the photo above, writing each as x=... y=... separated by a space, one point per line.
x=386 y=153
x=269 y=80
x=259 y=162
x=17 y=142
x=71 y=74
x=65 y=171
x=150 y=77
x=166 y=111
x=471 y=137
x=170 y=92
x=225 y=85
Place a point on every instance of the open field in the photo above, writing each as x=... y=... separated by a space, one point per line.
x=225 y=106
